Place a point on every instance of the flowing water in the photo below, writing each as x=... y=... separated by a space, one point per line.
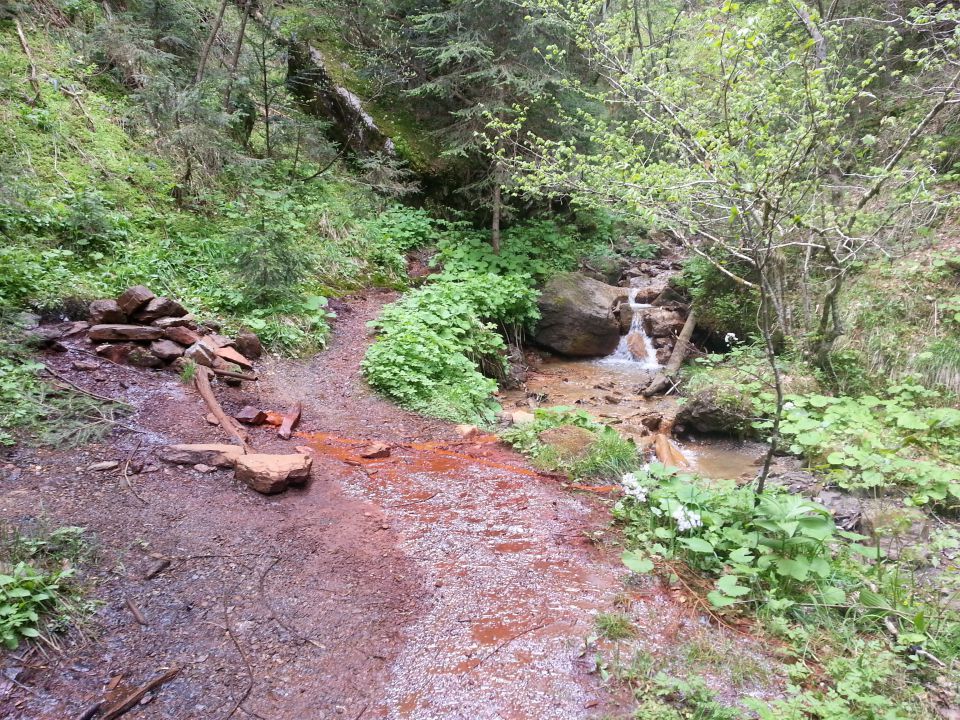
x=636 y=347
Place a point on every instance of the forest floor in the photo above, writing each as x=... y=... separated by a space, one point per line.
x=448 y=580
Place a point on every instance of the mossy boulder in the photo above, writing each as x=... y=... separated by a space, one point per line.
x=577 y=316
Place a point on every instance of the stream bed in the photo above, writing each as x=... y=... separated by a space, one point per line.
x=610 y=390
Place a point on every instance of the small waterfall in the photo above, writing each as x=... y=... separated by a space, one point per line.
x=635 y=348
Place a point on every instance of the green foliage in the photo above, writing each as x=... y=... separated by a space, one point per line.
x=432 y=342
x=874 y=442
x=613 y=626
x=55 y=417
x=394 y=233
x=533 y=250
x=774 y=546
x=608 y=456
x=38 y=589
x=723 y=306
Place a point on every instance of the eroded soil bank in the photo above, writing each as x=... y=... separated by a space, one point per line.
x=449 y=580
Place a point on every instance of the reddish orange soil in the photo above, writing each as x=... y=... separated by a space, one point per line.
x=449 y=580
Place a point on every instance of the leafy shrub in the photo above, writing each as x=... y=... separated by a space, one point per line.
x=533 y=250
x=723 y=306
x=431 y=344
x=776 y=545
x=395 y=232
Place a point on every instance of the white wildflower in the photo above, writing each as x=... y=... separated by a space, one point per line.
x=633 y=488
x=687 y=519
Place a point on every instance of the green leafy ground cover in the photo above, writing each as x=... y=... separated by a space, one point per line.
x=41 y=594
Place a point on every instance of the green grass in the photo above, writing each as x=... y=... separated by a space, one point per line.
x=614 y=626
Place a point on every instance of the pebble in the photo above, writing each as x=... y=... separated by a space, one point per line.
x=103 y=466
x=200 y=467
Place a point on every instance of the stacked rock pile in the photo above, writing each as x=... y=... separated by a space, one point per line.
x=144 y=330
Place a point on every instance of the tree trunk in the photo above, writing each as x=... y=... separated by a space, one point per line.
x=497 y=209
x=208 y=45
x=235 y=59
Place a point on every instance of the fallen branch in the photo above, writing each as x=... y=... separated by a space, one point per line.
x=80 y=390
x=31 y=65
x=235 y=375
x=126 y=473
x=663 y=380
x=136 y=696
x=202 y=382
x=90 y=711
x=243 y=656
x=290 y=421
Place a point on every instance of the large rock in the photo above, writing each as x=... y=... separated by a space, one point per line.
x=248 y=344
x=568 y=441
x=269 y=474
x=105 y=312
x=124 y=332
x=218 y=455
x=135 y=298
x=183 y=335
x=143 y=358
x=577 y=316
x=663 y=322
x=160 y=307
x=708 y=412
x=166 y=350
x=187 y=321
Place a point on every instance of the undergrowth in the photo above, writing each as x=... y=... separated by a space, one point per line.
x=441 y=348
x=40 y=592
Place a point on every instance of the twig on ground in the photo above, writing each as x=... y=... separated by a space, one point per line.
x=126 y=474
x=90 y=711
x=137 y=695
x=266 y=601
x=137 y=615
x=82 y=391
x=243 y=656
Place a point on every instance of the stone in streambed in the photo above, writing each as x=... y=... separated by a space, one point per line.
x=269 y=474
x=248 y=345
x=143 y=358
x=577 y=316
x=216 y=454
x=187 y=321
x=251 y=415
x=115 y=352
x=166 y=350
x=179 y=334
x=568 y=441
x=375 y=451
x=105 y=312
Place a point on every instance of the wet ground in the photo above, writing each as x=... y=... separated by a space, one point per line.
x=449 y=580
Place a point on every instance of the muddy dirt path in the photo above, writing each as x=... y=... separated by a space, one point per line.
x=449 y=580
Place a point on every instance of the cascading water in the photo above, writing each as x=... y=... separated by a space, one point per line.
x=635 y=348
